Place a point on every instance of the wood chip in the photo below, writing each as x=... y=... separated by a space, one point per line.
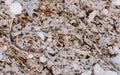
x=81 y=52
x=92 y=16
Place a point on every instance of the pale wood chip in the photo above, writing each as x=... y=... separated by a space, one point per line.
x=82 y=52
x=92 y=16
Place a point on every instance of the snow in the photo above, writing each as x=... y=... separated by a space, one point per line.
x=15 y=8
x=4 y=48
x=1 y=56
x=116 y=48
x=116 y=2
x=98 y=70
x=110 y=73
x=87 y=73
x=116 y=59
x=75 y=65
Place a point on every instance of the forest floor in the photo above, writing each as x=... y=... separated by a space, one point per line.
x=60 y=37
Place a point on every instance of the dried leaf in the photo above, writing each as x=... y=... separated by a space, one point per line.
x=28 y=49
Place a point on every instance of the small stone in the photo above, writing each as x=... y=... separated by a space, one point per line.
x=94 y=28
x=41 y=35
x=15 y=8
x=50 y=50
x=30 y=56
x=43 y=59
x=105 y=11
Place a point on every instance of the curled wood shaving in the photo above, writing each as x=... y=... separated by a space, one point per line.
x=87 y=41
x=10 y=25
x=97 y=49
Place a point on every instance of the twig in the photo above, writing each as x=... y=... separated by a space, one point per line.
x=50 y=70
